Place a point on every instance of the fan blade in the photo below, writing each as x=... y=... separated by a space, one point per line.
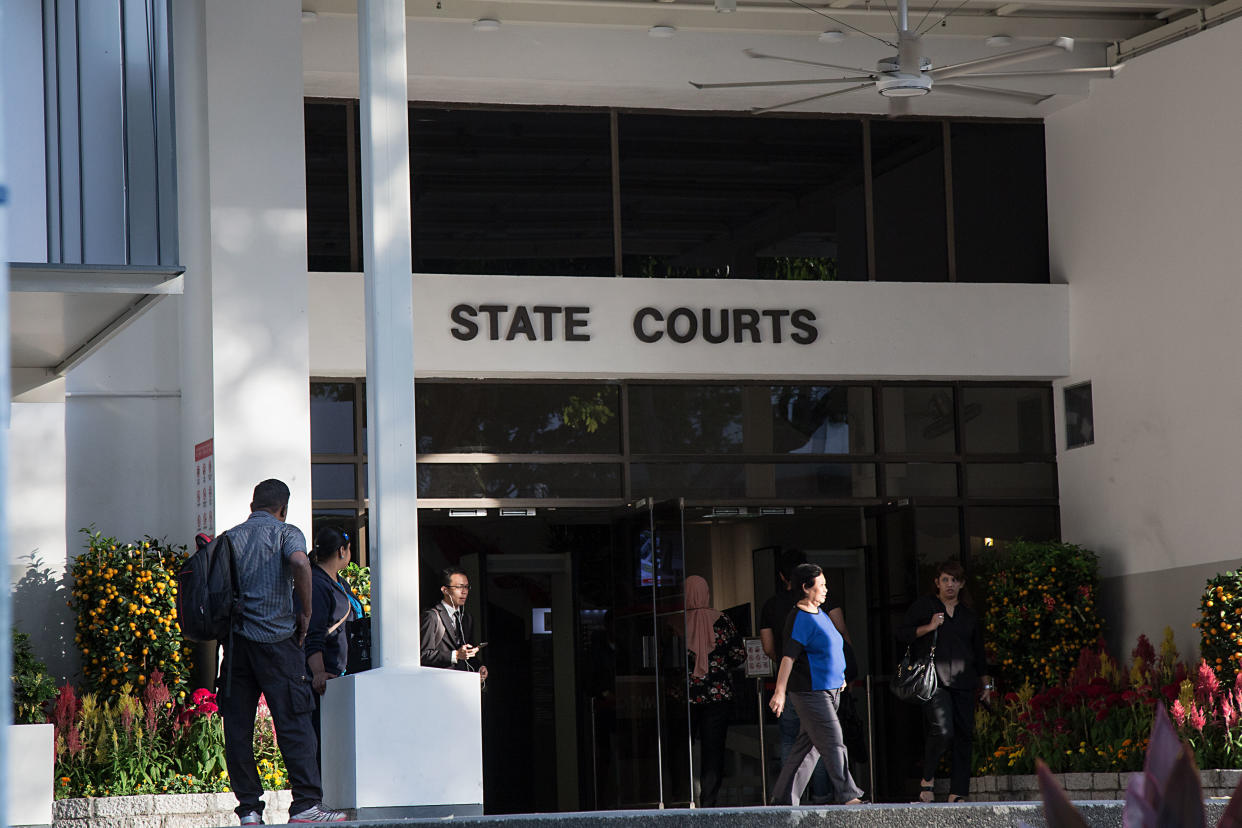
x=1080 y=72
x=761 y=109
x=988 y=92
x=751 y=53
x=898 y=107
x=1061 y=44
x=748 y=84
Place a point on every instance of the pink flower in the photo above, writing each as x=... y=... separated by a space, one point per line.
x=1228 y=712
x=1197 y=717
x=1179 y=713
x=1206 y=683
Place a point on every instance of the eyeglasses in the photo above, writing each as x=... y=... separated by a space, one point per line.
x=466 y=587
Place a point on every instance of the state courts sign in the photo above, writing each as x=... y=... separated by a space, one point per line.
x=531 y=326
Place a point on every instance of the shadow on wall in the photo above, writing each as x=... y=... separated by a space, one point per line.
x=39 y=609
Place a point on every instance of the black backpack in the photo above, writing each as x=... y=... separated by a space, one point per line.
x=207 y=593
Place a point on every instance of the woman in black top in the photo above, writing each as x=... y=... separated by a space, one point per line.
x=332 y=604
x=960 y=663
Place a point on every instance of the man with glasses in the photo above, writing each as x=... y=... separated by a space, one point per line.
x=447 y=632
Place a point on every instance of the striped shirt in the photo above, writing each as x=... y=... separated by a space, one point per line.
x=262 y=548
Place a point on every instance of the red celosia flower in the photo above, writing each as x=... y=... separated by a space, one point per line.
x=155 y=697
x=1179 y=713
x=1197 y=717
x=1144 y=650
x=1206 y=684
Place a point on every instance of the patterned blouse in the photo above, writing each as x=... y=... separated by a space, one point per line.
x=726 y=657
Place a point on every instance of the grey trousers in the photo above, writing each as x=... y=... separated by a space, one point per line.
x=820 y=736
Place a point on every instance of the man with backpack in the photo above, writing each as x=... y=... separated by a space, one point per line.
x=264 y=656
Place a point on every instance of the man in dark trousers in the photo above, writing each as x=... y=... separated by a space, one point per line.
x=447 y=632
x=265 y=657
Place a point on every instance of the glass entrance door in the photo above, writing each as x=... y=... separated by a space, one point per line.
x=643 y=757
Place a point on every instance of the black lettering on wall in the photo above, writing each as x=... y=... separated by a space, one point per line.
x=573 y=321
x=547 y=312
x=692 y=325
x=493 y=319
x=746 y=319
x=723 y=333
x=641 y=332
x=807 y=333
x=776 y=316
x=520 y=325
x=463 y=315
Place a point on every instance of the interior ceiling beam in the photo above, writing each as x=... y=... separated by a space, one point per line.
x=1099 y=21
x=1009 y=8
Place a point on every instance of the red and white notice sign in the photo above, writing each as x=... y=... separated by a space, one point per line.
x=204 y=488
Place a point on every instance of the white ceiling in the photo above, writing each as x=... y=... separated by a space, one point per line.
x=598 y=52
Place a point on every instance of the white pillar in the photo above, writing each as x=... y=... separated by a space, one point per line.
x=246 y=340
x=6 y=655
x=390 y=328
x=385 y=750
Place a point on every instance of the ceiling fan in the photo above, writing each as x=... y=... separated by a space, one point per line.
x=910 y=74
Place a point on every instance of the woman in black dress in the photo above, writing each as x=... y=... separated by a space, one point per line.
x=949 y=716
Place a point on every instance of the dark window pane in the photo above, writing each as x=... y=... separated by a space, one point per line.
x=907 y=184
x=987 y=526
x=684 y=419
x=1000 y=202
x=694 y=480
x=519 y=480
x=1011 y=480
x=918 y=419
x=332 y=481
x=1079 y=416
x=938 y=539
x=805 y=480
x=332 y=417
x=817 y=419
x=511 y=192
x=907 y=479
x=716 y=197
x=1007 y=420
x=327 y=186
x=755 y=480
x=517 y=418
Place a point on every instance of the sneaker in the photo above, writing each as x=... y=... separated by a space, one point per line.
x=252 y=818
x=318 y=813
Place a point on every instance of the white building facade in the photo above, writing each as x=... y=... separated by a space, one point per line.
x=188 y=276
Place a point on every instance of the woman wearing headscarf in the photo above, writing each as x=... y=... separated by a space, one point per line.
x=812 y=673
x=714 y=650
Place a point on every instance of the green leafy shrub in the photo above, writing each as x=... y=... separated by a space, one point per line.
x=33 y=688
x=1041 y=610
x=1220 y=624
x=359 y=580
x=124 y=596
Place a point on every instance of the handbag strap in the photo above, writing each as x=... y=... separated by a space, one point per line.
x=340 y=621
x=932 y=652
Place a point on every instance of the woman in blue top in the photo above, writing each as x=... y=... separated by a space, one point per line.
x=332 y=604
x=812 y=672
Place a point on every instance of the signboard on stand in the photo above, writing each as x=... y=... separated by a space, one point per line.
x=204 y=488
x=758 y=665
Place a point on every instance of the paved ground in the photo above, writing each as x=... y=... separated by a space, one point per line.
x=1098 y=814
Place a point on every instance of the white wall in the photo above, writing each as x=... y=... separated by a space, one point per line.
x=1143 y=191
x=37 y=544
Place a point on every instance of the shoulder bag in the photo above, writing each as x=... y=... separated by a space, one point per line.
x=916 y=678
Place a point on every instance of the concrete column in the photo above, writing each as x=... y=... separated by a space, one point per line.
x=246 y=341
x=378 y=726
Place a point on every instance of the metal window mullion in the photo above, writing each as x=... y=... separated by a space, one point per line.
x=950 y=242
x=126 y=195
x=868 y=198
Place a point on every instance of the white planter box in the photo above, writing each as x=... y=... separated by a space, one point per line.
x=31 y=765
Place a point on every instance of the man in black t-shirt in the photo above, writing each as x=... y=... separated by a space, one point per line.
x=771 y=631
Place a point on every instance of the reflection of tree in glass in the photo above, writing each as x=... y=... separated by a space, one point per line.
x=588 y=413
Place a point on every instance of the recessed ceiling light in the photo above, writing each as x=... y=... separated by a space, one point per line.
x=831 y=36
x=999 y=40
x=726 y=6
x=486 y=24
x=309 y=16
x=662 y=31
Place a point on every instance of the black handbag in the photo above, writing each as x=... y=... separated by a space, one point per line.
x=916 y=678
